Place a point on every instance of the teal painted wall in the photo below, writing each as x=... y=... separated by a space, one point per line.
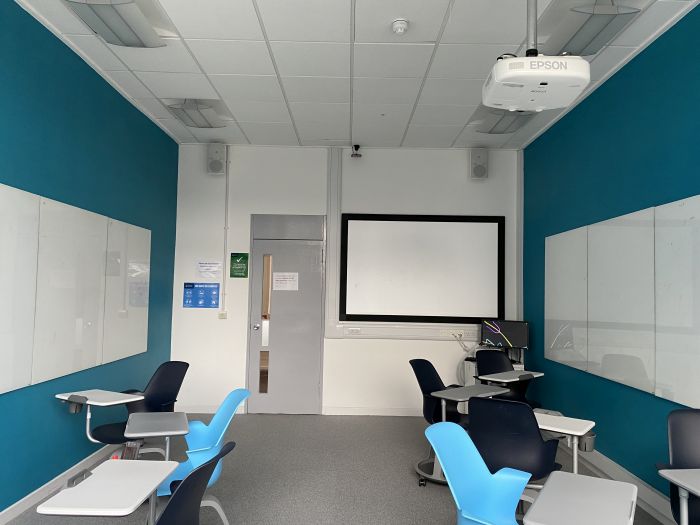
x=631 y=145
x=67 y=135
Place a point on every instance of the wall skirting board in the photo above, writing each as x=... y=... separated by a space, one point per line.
x=369 y=411
x=32 y=499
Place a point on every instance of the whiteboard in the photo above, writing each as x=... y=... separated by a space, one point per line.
x=678 y=301
x=126 y=291
x=19 y=231
x=403 y=268
x=70 y=290
x=566 y=293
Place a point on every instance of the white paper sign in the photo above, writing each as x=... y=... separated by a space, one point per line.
x=285 y=281
x=210 y=270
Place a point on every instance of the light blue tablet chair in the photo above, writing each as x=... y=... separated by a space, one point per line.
x=482 y=498
x=203 y=443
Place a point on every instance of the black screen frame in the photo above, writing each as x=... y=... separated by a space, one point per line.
x=499 y=220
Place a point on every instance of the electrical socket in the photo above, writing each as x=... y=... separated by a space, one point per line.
x=223 y=315
x=452 y=334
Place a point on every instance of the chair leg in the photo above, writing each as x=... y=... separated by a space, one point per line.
x=213 y=502
x=156 y=450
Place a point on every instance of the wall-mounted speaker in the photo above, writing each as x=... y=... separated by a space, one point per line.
x=216 y=158
x=479 y=163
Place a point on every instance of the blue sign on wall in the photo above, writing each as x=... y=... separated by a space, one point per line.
x=200 y=295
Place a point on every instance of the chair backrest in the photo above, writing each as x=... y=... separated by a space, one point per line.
x=224 y=415
x=184 y=505
x=492 y=362
x=684 y=452
x=161 y=392
x=429 y=381
x=506 y=434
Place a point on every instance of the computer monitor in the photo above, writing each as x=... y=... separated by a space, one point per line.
x=504 y=334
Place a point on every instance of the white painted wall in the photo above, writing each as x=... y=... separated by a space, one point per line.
x=361 y=376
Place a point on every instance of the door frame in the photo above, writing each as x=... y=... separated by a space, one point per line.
x=324 y=259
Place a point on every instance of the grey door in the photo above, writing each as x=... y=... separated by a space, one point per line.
x=286 y=327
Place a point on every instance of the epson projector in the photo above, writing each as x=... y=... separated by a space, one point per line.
x=536 y=83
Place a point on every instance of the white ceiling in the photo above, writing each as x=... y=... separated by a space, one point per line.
x=331 y=72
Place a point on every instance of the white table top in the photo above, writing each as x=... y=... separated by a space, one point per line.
x=463 y=393
x=564 y=425
x=573 y=499
x=156 y=424
x=102 y=398
x=687 y=478
x=115 y=488
x=510 y=377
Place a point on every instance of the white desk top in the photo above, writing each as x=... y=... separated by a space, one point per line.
x=574 y=499
x=564 y=425
x=156 y=424
x=510 y=377
x=102 y=398
x=687 y=478
x=463 y=393
x=115 y=488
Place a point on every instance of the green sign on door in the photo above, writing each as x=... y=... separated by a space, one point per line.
x=239 y=265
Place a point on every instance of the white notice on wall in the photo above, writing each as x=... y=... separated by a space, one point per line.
x=285 y=281
x=209 y=269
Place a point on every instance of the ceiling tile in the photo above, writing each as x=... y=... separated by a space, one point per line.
x=96 y=50
x=178 y=130
x=60 y=16
x=609 y=59
x=225 y=19
x=384 y=116
x=648 y=23
x=154 y=107
x=472 y=139
x=382 y=136
x=173 y=57
x=238 y=57
x=248 y=88
x=178 y=85
x=431 y=136
x=373 y=20
x=307 y=21
x=323 y=131
x=392 y=60
x=467 y=60
x=386 y=90
x=259 y=111
x=486 y=22
x=317 y=89
x=231 y=134
x=452 y=91
x=434 y=115
x=129 y=83
x=338 y=114
x=300 y=59
x=270 y=134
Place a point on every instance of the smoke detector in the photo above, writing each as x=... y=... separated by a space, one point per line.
x=399 y=26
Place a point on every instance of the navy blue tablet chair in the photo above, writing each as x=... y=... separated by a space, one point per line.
x=506 y=434
x=683 y=452
x=159 y=395
x=497 y=361
x=482 y=498
x=429 y=381
x=184 y=505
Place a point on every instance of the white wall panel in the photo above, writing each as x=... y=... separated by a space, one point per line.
x=70 y=290
x=19 y=231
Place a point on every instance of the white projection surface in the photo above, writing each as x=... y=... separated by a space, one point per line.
x=422 y=269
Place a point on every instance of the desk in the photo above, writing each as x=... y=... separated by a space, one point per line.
x=688 y=481
x=512 y=376
x=566 y=425
x=100 y=398
x=582 y=500
x=157 y=424
x=114 y=488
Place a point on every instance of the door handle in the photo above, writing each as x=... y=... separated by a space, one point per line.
x=256 y=326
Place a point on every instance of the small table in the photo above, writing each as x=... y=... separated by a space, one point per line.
x=100 y=398
x=459 y=395
x=566 y=425
x=582 y=500
x=688 y=482
x=512 y=376
x=114 y=488
x=157 y=424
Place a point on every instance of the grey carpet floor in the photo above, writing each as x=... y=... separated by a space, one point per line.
x=319 y=470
